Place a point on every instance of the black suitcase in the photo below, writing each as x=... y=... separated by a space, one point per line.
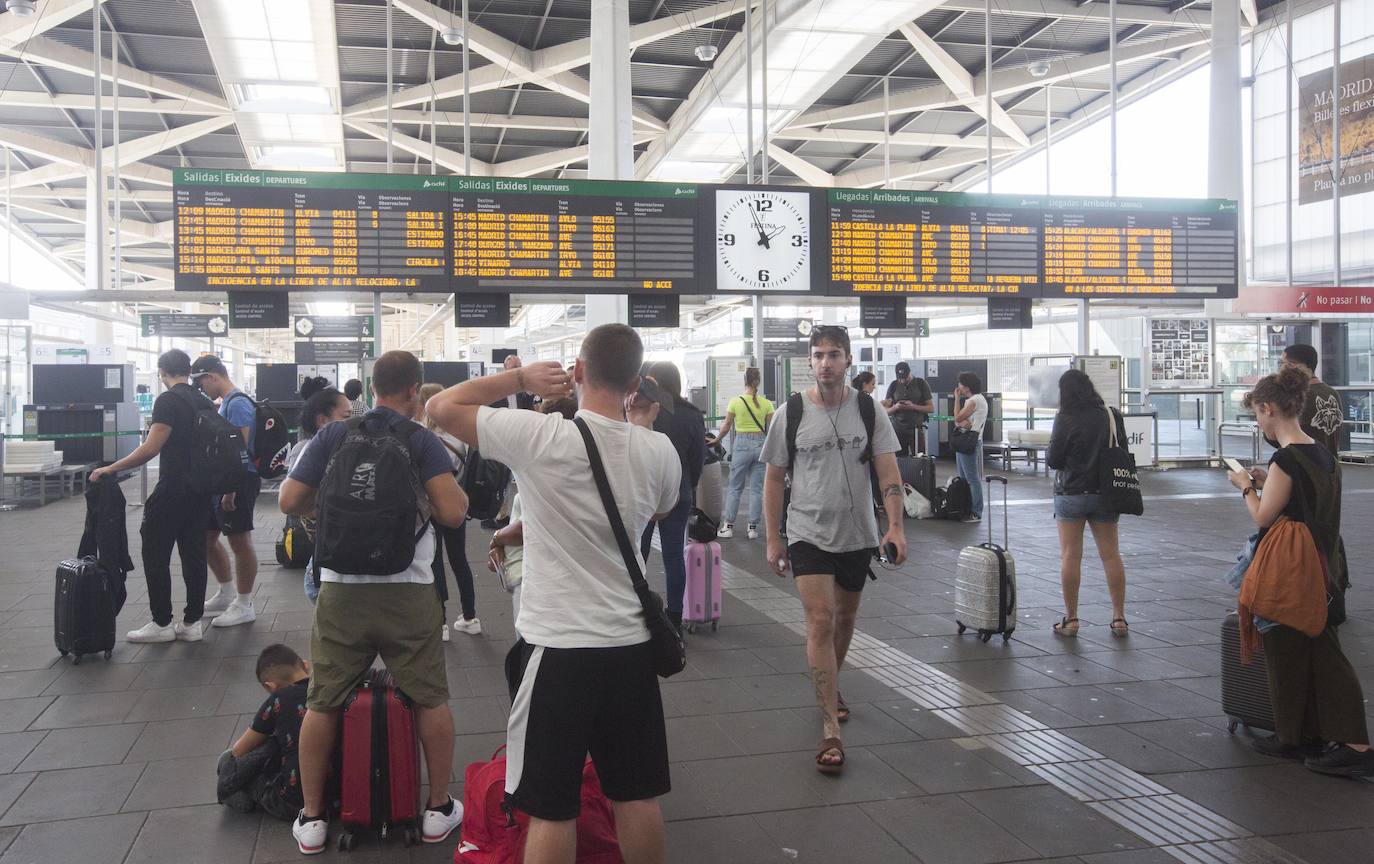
x=1244 y=689
x=84 y=614
x=919 y=473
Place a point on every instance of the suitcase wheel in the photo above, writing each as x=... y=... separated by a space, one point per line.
x=109 y=652
x=1006 y=637
x=962 y=628
x=63 y=652
x=410 y=837
x=76 y=659
x=714 y=625
x=347 y=840
x=986 y=635
x=1231 y=725
x=691 y=628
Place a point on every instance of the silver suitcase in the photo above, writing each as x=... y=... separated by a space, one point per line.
x=985 y=581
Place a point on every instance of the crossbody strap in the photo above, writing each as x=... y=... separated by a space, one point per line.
x=1111 y=429
x=752 y=415
x=603 y=485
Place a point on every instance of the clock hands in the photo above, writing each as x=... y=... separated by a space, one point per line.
x=764 y=236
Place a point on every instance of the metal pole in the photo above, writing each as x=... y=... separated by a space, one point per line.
x=1111 y=62
x=118 y=212
x=1049 y=134
x=389 y=89
x=97 y=260
x=764 y=8
x=433 y=109
x=376 y=324
x=887 y=136
x=1288 y=132
x=987 y=79
x=758 y=333
x=749 y=104
x=1336 y=141
x=467 y=94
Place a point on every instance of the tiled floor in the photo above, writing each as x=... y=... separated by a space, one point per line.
x=1099 y=750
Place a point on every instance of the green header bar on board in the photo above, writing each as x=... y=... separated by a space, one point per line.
x=1038 y=202
x=413 y=183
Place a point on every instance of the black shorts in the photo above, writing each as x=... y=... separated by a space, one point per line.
x=576 y=701
x=240 y=519
x=850 y=569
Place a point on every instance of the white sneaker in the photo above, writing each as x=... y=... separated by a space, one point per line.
x=752 y=532
x=437 y=826
x=313 y=836
x=470 y=627
x=152 y=632
x=189 y=632
x=218 y=603
x=726 y=531
x=237 y=613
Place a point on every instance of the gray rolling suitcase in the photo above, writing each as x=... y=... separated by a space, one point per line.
x=1244 y=689
x=985 y=581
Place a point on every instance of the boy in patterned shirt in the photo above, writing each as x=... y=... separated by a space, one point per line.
x=262 y=769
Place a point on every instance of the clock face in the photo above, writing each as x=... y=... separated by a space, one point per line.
x=763 y=240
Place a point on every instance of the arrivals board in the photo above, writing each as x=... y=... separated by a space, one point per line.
x=531 y=236
x=894 y=242
x=316 y=231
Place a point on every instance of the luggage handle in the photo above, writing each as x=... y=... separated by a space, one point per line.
x=1006 y=517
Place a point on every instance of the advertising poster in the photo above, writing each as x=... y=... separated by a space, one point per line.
x=1356 y=102
x=1180 y=352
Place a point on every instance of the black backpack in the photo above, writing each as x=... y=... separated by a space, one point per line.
x=484 y=482
x=958 y=500
x=295 y=546
x=271 y=440
x=215 y=465
x=371 y=500
x=795 y=406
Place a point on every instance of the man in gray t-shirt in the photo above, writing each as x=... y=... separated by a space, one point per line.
x=831 y=530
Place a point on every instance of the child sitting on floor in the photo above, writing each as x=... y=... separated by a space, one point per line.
x=262 y=769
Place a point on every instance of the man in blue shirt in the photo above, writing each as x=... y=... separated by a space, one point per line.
x=397 y=615
x=233 y=512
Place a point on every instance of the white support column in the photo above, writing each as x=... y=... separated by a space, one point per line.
x=467 y=97
x=611 y=125
x=95 y=193
x=749 y=93
x=1336 y=141
x=1224 y=165
x=987 y=85
x=390 y=90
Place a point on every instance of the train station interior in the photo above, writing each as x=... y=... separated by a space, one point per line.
x=1171 y=200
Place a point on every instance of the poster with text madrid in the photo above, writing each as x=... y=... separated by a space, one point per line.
x=1356 y=101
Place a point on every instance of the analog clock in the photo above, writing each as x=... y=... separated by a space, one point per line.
x=763 y=240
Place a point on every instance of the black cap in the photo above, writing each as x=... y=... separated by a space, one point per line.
x=207 y=363
x=903 y=368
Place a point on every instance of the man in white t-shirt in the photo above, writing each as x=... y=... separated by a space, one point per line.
x=589 y=685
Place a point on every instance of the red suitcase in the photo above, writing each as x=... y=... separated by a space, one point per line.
x=380 y=777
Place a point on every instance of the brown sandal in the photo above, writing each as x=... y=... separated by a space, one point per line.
x=841 y=709
x=1119 y=631
x=1066 y=627
x=830 y=746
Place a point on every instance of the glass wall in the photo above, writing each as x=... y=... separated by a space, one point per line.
x=1274 y=173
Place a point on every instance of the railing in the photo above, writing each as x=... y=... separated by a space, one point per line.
x=1249 y=428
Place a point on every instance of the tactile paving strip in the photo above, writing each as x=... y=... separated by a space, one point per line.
x=1178 y=826
x=1252 y=850
x=1166 y=820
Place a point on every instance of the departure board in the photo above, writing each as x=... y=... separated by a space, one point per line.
x=296 y=232
x=1121 y=246
x=527 y=236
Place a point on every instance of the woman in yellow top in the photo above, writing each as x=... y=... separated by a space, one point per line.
x=748 y=415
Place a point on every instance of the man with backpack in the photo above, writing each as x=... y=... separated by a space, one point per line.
x=373 y=483
x=830 y=440
x=589 y=683
x=175 y=514
x=233 y=511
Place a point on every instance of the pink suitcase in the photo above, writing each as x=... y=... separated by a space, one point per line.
x=701 y=600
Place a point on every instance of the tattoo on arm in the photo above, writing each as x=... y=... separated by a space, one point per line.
x=893 y=490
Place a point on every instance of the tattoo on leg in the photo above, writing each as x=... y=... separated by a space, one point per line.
x=819 y=677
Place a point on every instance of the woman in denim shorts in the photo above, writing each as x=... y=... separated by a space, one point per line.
x=1081 y=433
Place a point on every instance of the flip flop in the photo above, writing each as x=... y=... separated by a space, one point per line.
x=830 y=746
x=841 y=709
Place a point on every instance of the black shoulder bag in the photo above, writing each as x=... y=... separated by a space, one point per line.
x=670 y=654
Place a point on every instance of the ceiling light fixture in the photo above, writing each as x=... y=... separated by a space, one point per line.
x=451 y=36
x=21 y=8
x=1039 y=68
x=706 y=53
